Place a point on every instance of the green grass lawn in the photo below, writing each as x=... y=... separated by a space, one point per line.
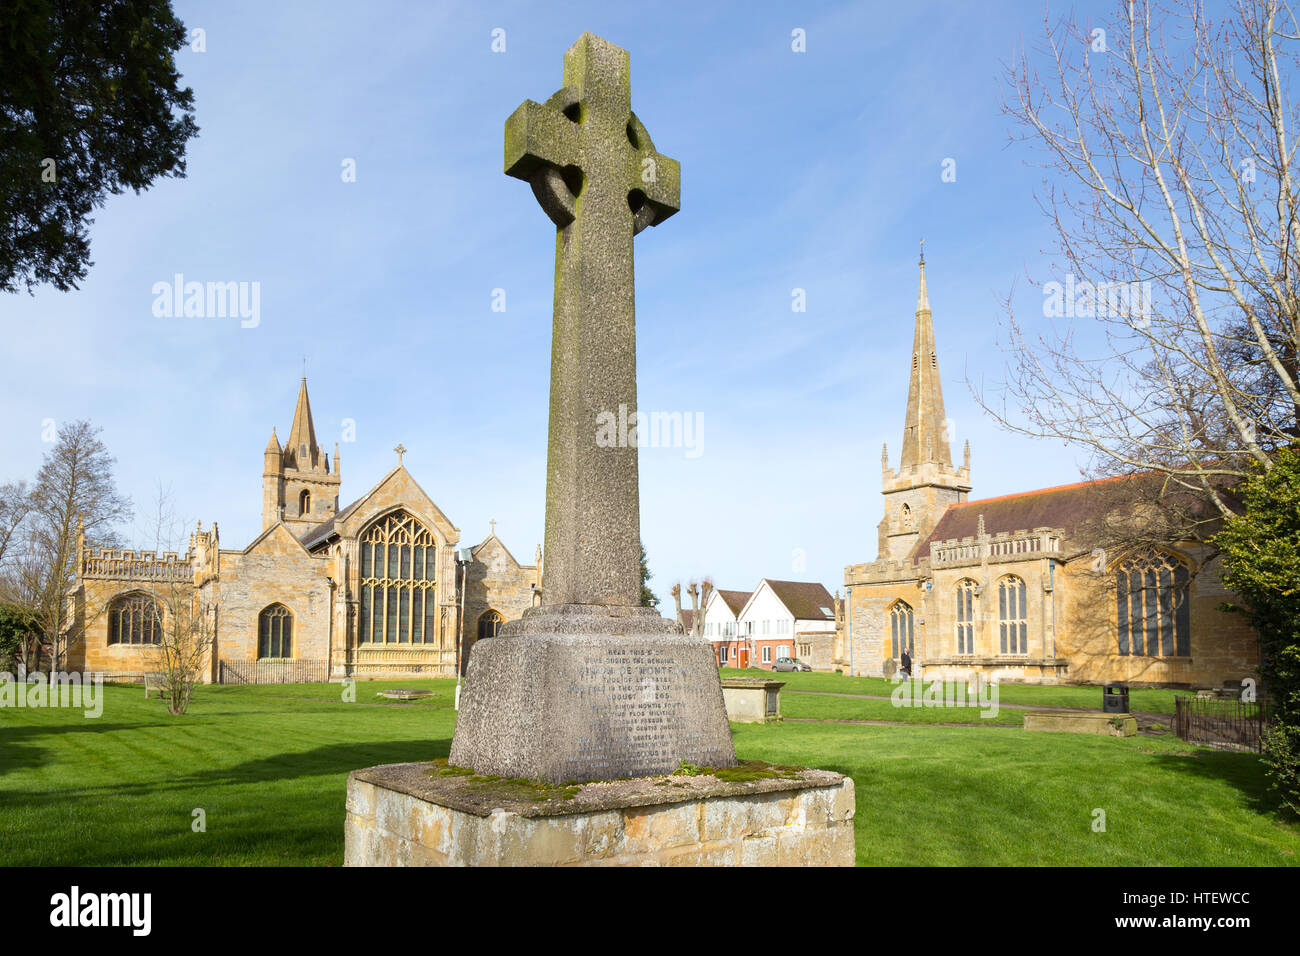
x=1029 y=695
x=268 y=766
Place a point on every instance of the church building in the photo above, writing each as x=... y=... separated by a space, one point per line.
x=377 y=588
x=1013 y=588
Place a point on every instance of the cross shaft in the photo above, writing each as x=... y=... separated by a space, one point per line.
x=597 y=175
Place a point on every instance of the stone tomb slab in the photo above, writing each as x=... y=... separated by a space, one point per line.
x=1081 y=722
x=429 y=814
x=578 y=693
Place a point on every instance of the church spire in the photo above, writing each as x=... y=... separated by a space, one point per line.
x=302 y=436
x=925 y=436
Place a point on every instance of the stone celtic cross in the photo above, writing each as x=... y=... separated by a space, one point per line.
x=596 y=173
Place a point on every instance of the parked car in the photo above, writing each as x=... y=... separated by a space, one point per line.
x=790 y=664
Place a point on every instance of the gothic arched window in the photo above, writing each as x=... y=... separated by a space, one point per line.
x=966 y=616
x=489 y=623
x=399 y=558
x=1151 y=606
x=1011 y=616
x=905 y=518
x=274 y=632
x=304 y=502
x=134 y=619
x=900 y=628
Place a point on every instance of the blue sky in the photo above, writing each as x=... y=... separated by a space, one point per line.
x=817 y=170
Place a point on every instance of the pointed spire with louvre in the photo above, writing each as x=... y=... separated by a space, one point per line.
x=925 y=437
x=301 y=447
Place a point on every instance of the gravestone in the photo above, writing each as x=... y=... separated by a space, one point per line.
x=589 y=685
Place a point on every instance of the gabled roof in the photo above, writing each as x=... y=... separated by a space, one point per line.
x=1063 y=507
x=806 y=600
x=735 y=600
x=502 y=545
x=326 y=529
x=279 y=526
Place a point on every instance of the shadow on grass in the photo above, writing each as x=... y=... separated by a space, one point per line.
x=1243 y=771
x=321 y=762
x=19 y=752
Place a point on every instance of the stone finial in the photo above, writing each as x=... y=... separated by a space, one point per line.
x=401 y=450
x=980 y=532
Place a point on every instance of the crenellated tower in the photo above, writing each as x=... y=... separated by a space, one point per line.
x=299 y=486
x=926 y=481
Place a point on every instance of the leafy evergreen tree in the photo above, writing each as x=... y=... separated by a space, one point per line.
x=90 y=105
x=1261 y=562
x=648 y=597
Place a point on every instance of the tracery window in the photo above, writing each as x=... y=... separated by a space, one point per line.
x=900 y=628
x=966 y=616
x=489 y=623
x=1151 y=606
x=134 y=619
x=399 y=604
x=274 y=632
x=1012 y=621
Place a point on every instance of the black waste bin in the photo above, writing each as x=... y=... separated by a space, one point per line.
x=1114 y=698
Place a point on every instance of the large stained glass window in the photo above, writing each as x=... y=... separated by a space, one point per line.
x=1151 y=605
x=399 y=558
x=134 y=619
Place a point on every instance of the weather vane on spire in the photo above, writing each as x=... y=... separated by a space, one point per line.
x=922 y=252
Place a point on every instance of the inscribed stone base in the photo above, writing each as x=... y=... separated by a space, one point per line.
x=416 y=815
x=586 y=692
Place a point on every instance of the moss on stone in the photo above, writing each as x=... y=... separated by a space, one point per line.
x=743 y=772
x=537 y=791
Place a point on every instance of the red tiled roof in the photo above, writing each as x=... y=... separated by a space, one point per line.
x=1064 y=507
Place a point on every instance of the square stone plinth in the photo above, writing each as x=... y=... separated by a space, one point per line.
x=1082 y=722
x=429 y=814
x=752 y=700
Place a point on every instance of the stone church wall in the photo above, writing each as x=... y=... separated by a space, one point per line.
x=278 y=571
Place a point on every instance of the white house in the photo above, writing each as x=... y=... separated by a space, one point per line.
x=789 y=619
x=720 y=626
